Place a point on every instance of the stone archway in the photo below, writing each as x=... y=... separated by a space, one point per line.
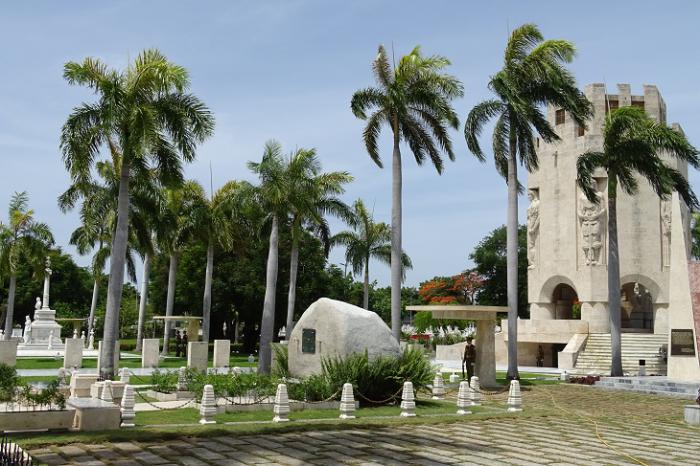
x=636 y=308
x=565 y=298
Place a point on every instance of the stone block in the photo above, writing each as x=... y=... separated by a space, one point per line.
x=222 y=353
x=73 y=356
x=197 y=355
x=94 y=415
x=80 y=385
x=692 y=414
x=150 y=350
x=116 y=356
x=8 y=352
x=116 y=392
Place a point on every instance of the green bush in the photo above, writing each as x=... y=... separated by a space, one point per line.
x=281 y=368
x=9 y=382
x=377 y=381
x=231 y=385
x=313 y=388
x=46 y=397
x=164 y=382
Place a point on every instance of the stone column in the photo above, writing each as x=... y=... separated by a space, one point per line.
x=486 y=352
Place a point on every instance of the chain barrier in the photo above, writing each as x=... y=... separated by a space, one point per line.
x=161 y=408
x=381 y=402
x=330 y=398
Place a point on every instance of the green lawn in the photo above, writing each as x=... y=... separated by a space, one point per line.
x=191 y=415
x=132 y=363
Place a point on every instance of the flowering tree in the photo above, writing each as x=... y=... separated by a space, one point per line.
x=458 y=289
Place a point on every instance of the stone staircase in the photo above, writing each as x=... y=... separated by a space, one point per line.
x=595 y=358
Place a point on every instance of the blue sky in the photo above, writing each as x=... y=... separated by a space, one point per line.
x=287 y=69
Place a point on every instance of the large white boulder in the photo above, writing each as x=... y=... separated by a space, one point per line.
x=330 y=328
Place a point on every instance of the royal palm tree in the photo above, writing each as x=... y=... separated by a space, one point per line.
x=221 y=214
x=367 y=240
x=183 y=215
x=273 y=195
x=533 y=75
x=145 y=117
x=314 y=195
x=98 y=221
x=22 y=238
x=632 y=144
x=414 y=99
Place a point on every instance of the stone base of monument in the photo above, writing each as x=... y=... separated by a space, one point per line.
x=174 y=396
x=692 y=414
x=22 y=421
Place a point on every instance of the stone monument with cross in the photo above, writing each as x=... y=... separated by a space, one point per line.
x=44 y=328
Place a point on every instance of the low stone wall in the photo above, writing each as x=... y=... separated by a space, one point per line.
x=174 y=396
x=450 y=352
x=36 y=420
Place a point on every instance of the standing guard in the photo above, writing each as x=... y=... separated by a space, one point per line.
x=469 y=359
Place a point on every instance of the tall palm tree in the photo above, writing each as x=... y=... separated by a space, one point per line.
x=183 y=216
x=98 y=221
x=272 y=194
x=632 y=142
x=368 y=240
x=220 y=216
x=533 y=75
x=22 y=238
x=145 y=117
x=414 y=99
x=314 y=195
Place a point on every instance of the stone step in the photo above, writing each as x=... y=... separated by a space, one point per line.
x=654 y=385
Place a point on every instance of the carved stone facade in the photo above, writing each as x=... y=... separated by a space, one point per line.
x=567 y=234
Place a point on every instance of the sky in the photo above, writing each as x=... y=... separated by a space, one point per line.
x=286 y=70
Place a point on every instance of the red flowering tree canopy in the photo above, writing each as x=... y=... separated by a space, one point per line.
x=459 y=289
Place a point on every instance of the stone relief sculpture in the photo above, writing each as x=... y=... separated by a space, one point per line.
x=666 y=231
x=590 y=216
x=533 y=228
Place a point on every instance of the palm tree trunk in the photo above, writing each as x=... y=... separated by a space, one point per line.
x=206 y=302
x=614 y=283
x=117 y=262
x=365 y=301
x=170 y=302
x=9 y=315
x=267 y=326
x=396 y=238
x=291 y=298
x=93 y=306
x=143 y=300
x=512 y=261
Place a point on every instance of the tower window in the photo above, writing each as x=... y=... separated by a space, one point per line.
x=638 y=103
x=580 y=130
x=559 y=117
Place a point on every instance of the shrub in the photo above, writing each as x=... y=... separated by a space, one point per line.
x=49 y=396
x=313 y=388
x=281 y=368
x=231 y=385
x=164 y=382
x=9 y=381
x=377 y=381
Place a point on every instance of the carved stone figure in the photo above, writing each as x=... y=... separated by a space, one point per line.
x=533 y=228
x=37 y=306
x=91 y=340
x=590 y=216
x=666 y=230
x=27 y=337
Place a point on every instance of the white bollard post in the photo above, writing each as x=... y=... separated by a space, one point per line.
x=475 y=391
x=106 y=394
x=182 y=379
x=281 y=406
x=127 y=408
x=124 y=375
x=207 y=408
x=347 y=402
x=454 y=378
x=463 y=398
x=438 y=387
x=408 y=400
x=515 y=398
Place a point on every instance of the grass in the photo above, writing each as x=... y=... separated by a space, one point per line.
x=131 y=363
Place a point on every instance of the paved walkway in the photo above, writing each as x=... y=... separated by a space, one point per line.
x=548 y=441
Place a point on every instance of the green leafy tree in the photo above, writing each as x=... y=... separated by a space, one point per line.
x=491 y=263
x=414 y=99
x=695 y=235
x=533 y=75
x=145 y=117
x=632 y=144
x=22 y=239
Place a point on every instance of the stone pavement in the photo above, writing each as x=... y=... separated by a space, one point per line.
x=519 y=441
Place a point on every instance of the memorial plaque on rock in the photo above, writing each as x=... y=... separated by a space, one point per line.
x=682 y=342
x=308 y=340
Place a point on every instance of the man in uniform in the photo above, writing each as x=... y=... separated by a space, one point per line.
x=469 y=359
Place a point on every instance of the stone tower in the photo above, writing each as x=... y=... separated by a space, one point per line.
x=567 y=234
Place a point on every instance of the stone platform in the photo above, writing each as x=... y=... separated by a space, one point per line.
x=652 y=385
